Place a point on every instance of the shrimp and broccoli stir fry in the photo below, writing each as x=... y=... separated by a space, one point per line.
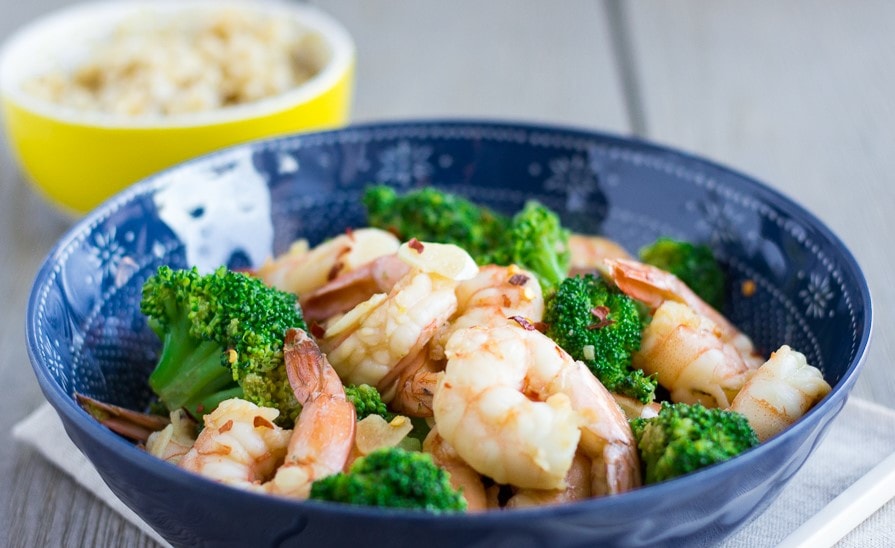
x=449 y=358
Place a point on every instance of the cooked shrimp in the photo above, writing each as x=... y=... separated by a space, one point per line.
x=125 y=422
x=495 y=294
x=175 y=440
x=353 y=287
x=589 y=253
x=781 y=391
x=386 y=332
x=301 y=270
x=653 y=286
x=240 y=444
x=462 y=476
x=696 y=358
x=490 y=299
x=325 y=428
x=687 y=354
x=578 y=487
x=415 y=385
x=636 y=409
x=516 y=408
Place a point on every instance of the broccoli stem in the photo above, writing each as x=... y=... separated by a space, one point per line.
x=550 y=269
x=189 y=371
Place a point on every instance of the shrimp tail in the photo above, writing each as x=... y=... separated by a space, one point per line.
x=325 y=429
x=352 y=288
x=310 y=374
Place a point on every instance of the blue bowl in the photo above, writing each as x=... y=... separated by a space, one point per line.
x=236 y=207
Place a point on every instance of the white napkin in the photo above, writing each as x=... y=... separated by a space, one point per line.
x=859 y=438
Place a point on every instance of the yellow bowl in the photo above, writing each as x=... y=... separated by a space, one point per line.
x=77 y=159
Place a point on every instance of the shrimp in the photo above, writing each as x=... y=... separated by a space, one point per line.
x=324 y=431
x=241 y=445
x=694 y=356
x=516 y=408
x=490 y=298
x=386 y=332
x=415 y=385
x=462 y=476
x=589 y=253
x=684 y=350
x=353 y=287
x=781 y=391
x=125 y=422
x=175 y=440
x=494 y=295
x=301 y=270
x=653 y=286
x=635 y=409
x=578 y=487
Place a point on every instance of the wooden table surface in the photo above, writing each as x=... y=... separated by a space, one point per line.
x=799 y=93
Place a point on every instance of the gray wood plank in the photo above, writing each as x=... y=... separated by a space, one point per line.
x=799 y=95
x=523 y=60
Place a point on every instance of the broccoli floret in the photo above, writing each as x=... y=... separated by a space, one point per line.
x=695 y=265
x=533 y=239
x=222 y=336
x=537 y=242
x=431 y=215
x=599 y=325
x=684 y=438
x=395 y=478
x=367 y=401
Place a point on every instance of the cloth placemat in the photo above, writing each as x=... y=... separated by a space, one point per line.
x=859 y=438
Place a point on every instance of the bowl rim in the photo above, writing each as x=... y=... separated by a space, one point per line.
x=833 y=402
x=342 y=52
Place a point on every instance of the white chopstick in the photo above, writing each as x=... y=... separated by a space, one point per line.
x=848 y=510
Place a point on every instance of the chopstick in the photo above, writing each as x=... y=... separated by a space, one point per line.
x=848 y=510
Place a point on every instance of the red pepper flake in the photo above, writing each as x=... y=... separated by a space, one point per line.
x=261 y=422
x=541 y=326
x=415 y=245
x=518 y=279
x=316 y=329
x=601 y=313
x=522 y=321
x=350 y=233
x=226 y=427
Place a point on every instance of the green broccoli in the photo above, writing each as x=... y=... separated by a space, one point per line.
x=395 y=478
x=431 y=215
x=684 y=438
x=537 y=242
x=222 y=336
x=695 y=265
x=367 y=401
x=599 y=325
x=533 y=239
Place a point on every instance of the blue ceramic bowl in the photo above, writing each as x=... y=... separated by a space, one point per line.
x=236 y=207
